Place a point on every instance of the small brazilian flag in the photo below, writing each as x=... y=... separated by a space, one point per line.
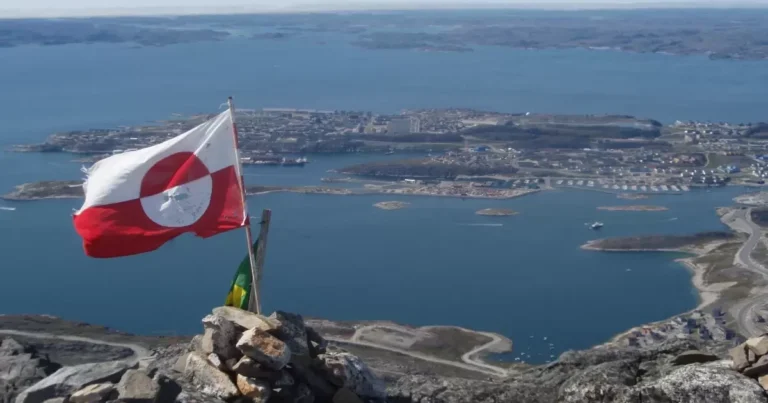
x=240 y=291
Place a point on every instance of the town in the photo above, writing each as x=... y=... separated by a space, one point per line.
x=469 y=152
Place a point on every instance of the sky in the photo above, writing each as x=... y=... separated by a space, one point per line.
x=63 y=8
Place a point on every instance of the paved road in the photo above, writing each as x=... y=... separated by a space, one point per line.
x=469 y=361
x=139 y=353
x=746 y=311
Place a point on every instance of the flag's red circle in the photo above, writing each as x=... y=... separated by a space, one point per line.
x=173 y=170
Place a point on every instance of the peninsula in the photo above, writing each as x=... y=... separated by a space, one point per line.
x=633 y=208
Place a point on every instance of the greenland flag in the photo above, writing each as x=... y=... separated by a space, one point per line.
x=139 y=200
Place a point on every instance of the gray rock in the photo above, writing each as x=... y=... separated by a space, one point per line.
x=739 y=357
x=758 y=369
x=67 y=380
x=245 y=320
x=169 y=388
x=345 y=395
x=759 y=345
x=316 y=343
x=693 y=357
x=209 y=379
x=137 y=387
x=292 y=331
x=603 y=382
x=696 y=383
x=349 y=371
x=264 y=348
x=219 y=337
x=751 y=357
x=9 y=347
x=284 y=379
x=181 y=363
x=20 y=368
x=215 y=360
x=302 y=394
x=56 y=400
x=92 y=393
x=257 y=390
x=249 y=367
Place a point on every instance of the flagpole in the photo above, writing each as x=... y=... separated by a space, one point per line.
x=254 y=304
x=261 y=247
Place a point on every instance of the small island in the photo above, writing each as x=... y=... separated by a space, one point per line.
x=678 y=243
x=633 y=208
x=46 y=190
x=631 y=196
x=391 y=205
x=496 y=212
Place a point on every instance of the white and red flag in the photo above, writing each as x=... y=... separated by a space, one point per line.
x=139 y=200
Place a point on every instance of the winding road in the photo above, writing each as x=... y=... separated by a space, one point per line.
x=469 y=363
x=746 y=311
x=139 y=352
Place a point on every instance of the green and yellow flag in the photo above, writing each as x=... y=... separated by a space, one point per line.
x=240 y=291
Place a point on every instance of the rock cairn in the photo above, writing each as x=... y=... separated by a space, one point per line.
x=275 y=358
x=751 y=359
x=241 y=357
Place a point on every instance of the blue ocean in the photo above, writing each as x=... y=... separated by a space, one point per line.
x=338 y=257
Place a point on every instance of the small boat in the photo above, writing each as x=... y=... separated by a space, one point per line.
x=390 y=152
x=596 y=225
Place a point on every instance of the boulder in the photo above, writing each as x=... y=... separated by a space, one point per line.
x=763 y=381
x=284 y=379
x=215 y=360
x=692 y=357
x=169 y=388
x=209 y=379
x=9 y=347
x=302 y=394
x=20 y=368
x=67 y=380
x=264 y=348
x=245 y=320
x=316 y=343
x=57 y=400
x=757 y=369
x=256 y=389
x=303 y=373
x=219 y=337
x=93 y=393
x=137 y=387
x=348 y=371
x=751 y=357
x=759 y=345
x=252 y=369
x=345 y=395
x=181 y=363
x=292 y=331
x=739 y=357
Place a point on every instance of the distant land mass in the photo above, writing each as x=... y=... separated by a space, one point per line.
x=717 y=34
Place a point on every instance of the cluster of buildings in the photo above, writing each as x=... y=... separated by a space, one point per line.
x=697 y=325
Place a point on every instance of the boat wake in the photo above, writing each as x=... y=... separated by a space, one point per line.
x=8 y=208
x=484 y=225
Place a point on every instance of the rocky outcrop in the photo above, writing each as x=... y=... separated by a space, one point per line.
x=668 y=373
x=20 y=368
x=68 y=380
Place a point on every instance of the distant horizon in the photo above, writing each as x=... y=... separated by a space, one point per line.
x=360 y=6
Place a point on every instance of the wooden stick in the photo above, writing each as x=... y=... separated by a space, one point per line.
x=254 y=305
x=261 y=247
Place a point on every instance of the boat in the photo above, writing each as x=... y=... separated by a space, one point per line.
x=298 y=162
x=390 y=152
x=596 y=225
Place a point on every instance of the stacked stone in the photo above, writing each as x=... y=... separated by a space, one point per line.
x=248 y=357
x=751 y=359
